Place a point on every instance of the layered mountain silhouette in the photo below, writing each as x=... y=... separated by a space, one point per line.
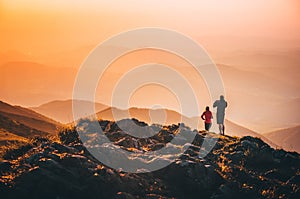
x=234 y=168
x=19 y=124
x=245 y=74
x=61 y=110
x=288 y=138
x=262 y=97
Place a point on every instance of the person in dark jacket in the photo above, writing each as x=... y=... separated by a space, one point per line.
x=221 y=105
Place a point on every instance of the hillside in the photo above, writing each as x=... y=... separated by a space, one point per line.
x=61 y=110
x=288 y=138
x=235 y=167
x=18 y=124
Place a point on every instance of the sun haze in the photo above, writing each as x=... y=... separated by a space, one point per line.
x=254 y=43
x=40 y=28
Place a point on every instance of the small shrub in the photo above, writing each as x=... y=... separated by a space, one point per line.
x=69 y=136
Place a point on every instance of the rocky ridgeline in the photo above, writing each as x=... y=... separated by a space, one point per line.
x=235 y=168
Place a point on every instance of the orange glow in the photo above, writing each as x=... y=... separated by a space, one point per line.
x=43 y=44
x=41 y=28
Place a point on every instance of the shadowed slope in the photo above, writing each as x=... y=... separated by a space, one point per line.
x=18 y=125
x=28 y=118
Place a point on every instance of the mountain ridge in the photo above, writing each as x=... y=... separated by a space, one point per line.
x=144 y=114
x=61 y=110
x=289 y=138
x=234 y=168
x=18 y=124
x=232 y=128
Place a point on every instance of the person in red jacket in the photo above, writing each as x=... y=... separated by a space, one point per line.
x=207 y=116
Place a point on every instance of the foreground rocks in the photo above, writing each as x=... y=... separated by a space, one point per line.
x=235 y=168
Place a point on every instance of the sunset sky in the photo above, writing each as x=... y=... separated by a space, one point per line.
x=40 y=28
x=50 y=40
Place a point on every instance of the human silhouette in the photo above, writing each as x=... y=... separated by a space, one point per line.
x=207 y=116
x=221 y=104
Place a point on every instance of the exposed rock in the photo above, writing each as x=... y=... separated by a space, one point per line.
x=234 y=168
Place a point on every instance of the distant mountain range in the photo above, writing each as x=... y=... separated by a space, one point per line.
x=33 y=83
x=18 y=123
x=288 y=139
x=61 y=110
x=261 y=98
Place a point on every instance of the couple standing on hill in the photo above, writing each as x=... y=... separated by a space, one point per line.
x=221 y=104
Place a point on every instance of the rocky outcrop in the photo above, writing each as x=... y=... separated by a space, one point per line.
x=234 y=168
